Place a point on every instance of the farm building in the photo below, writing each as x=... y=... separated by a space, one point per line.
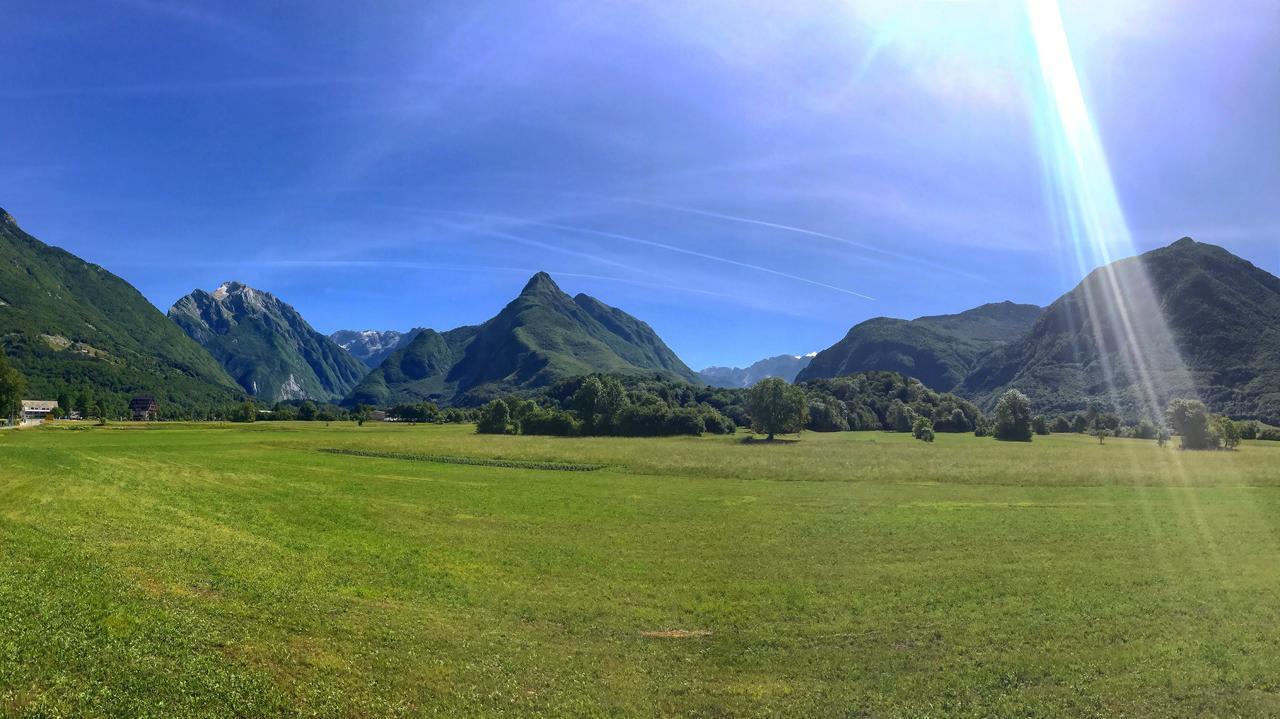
x=143 y=409
x=37 y=410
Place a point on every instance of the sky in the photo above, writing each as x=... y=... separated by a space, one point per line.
x=751 y=178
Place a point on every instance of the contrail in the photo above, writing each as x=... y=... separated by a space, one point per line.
x=797 y=230
x=399 y=264
x=648 y=243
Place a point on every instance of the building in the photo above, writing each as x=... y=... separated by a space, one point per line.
x=143 y=409
x=37 y=410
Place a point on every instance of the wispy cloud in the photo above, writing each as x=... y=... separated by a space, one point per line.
x=669 y=248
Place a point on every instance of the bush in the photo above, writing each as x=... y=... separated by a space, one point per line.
x=1013 y=417
x=1190 y=419
x=900 y=417
x=922 y=429
x=495 y=418
x=1228 y=432
x=717 y=423
x=1145 y=429
x=1061 y=425
x=1248 y=429
x=1269 y=435
x=554 y=422
x=1040 y=425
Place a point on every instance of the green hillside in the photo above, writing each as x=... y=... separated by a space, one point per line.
x=540 y=337
x=938 y=350
x=1222 y=340
x=266 y=345
x=69 y=325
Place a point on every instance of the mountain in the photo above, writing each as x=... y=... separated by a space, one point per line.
x=938 y=350
x=265 y=345
x=784 y=366
x=542 y=336
x=1187 y=318
x=372 y=346
x=69 y=325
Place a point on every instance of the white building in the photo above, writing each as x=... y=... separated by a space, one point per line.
x=37 y=410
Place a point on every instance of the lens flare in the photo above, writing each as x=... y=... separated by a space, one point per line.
x=1120 y=306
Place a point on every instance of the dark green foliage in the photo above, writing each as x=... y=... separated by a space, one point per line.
x=1102 y=433
x=901 y=417
x=1221 y=343
x=12 y=387
x=265 y=345
x=1248 y=429
x=495 y=418
x=1060 y=424
x=1269 y=434
x=1190 y=419
x=777 y=407
x=541 y=337
x=884 y=400
x=1013 y=417
x=939 y=351
x=1145 y=429
x=1228 y=433
x=1163 y=435
x=70 y=327
x=1040 y=425
x=922 y=429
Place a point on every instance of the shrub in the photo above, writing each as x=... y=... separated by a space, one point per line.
x=1145 y=429
x=1269 y=435
x=1013 y=417
x=922 y=428
x=1248 y=429
x=1061 y=424
x=1228 y=432
x=495 y=418
x=717 y=423
x=1040 y=425
x=1190 y=419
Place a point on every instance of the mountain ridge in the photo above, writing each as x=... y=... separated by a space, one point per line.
x=539 y=337
x=266 y=345
x=938 y=350
x=70 y=325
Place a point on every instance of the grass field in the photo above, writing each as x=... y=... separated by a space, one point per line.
x=171 y=570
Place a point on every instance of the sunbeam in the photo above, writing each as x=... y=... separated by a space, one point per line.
x=1123 y=311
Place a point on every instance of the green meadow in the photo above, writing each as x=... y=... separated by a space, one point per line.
x=339 y=571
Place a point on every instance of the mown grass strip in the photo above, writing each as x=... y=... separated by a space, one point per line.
x=475 y=461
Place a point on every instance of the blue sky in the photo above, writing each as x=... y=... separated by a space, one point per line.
x=751 y=178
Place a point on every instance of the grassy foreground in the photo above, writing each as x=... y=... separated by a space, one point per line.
x=173 y=570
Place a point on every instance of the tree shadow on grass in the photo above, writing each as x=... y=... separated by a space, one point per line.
x=775 y=440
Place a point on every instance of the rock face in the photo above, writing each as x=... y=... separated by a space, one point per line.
x=265 y=345
x=540 y=337
x=1190 y=318
x=372 y=346
x=782 y=366
x=938 y=350
x=72 y=327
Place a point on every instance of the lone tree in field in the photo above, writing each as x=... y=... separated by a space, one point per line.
x=777 y=407
x=1190 y=419
x=1013 y=417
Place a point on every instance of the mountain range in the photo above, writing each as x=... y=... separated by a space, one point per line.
x=71 y=327
x=783 y=366
x=542 y=336
x=372 y=346
x=1190 y=318
x=939 y=350
x=265 y=345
